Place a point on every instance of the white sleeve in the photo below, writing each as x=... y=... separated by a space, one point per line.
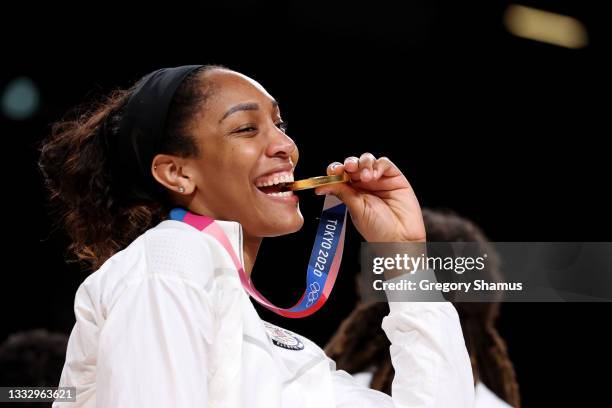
x=153 y=347
x=432 y=366
x=428 y=353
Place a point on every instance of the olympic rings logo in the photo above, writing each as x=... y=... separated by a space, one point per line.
x=313 y=294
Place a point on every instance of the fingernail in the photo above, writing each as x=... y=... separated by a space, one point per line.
x=375 y=174
x=320 y=192
x=366 y=173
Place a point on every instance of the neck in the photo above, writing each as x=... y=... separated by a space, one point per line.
x=250 y=247
x=250 y=244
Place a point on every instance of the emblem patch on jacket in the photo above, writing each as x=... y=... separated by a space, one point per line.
x=283 y=338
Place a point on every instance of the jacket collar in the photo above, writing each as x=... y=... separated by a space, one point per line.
x=232 y=229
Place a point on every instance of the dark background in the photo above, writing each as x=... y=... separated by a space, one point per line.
x=505 y=131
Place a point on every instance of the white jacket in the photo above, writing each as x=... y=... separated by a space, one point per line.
x=166 y=323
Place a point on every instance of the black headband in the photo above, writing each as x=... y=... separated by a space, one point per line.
x=141 y=133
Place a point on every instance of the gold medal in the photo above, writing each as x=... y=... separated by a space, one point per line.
x=317 y=182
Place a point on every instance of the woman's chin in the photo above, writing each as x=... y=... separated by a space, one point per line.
x=283 y=224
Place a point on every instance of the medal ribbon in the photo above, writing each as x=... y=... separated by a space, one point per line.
x=322 y=268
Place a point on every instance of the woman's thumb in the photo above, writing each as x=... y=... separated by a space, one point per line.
x=347 y=194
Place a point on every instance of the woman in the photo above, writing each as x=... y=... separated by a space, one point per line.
x=164 y=321
x=361 y=348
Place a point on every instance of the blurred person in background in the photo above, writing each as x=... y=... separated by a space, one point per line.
x=361 y=348
x=32 y=358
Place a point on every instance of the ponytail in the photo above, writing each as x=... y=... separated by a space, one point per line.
x=75 y=165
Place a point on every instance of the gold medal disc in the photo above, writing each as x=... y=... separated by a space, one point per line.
x=317 y=182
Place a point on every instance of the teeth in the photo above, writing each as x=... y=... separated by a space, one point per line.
x=283 y=178
x=286 y=178
x=283 y=194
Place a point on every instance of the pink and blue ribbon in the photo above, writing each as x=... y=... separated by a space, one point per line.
x=324 y=261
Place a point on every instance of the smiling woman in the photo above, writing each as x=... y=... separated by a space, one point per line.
x=164 y=320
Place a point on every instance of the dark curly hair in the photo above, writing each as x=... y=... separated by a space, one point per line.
x=360 y=343
x=75 y=164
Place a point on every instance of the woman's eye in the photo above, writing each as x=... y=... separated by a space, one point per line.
x=281 y=125
x=246 y=129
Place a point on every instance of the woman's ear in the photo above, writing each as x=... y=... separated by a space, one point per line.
x=168 y=171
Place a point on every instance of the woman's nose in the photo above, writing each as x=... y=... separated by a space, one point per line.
x=282 y=145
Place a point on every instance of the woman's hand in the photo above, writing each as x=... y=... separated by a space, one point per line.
x=379 y=198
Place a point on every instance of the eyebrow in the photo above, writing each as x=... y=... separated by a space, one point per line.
x=245 y=107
